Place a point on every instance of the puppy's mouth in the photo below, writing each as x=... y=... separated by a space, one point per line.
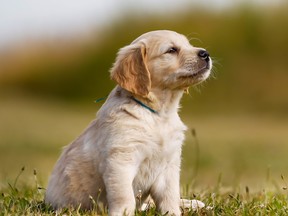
x=200 y=72
x=197 y=74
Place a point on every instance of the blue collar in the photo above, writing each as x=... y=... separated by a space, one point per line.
x=144 y=105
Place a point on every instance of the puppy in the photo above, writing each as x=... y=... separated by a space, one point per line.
x=134 y=144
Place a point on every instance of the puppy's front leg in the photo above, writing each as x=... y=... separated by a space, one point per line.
x=118 y=178
x=166 y=191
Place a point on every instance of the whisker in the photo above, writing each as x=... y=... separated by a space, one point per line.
x=194 y=38
x=213 y=74
x=216 y=61
x=197 y=88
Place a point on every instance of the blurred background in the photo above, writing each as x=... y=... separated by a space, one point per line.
x=54 y=63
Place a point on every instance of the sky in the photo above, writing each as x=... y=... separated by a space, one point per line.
x=23 y=19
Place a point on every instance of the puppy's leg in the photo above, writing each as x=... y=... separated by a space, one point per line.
x=118 y=179
x=166 y=191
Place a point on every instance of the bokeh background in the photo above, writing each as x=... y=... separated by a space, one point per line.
x=54 y=63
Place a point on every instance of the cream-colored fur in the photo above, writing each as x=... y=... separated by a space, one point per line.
x=128 y=148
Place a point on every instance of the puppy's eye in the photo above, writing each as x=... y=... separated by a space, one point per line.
x=172 y=50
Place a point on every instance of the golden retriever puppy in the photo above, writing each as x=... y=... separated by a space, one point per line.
x=134 y=144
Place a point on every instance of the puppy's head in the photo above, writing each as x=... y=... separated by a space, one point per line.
x=160 y=60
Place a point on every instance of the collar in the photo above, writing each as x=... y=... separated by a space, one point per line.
x=144 y=105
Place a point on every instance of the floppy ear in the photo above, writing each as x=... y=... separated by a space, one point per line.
x=130 y=70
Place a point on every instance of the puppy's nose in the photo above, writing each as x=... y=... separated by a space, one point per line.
x=203 y=54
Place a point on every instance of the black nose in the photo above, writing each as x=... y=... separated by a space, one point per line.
x=203 y=54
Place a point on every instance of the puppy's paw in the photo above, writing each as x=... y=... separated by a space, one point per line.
x=192 y=204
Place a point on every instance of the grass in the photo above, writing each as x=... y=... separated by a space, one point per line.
x=28 y=200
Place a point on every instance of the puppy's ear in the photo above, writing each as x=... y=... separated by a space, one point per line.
x=130 y=70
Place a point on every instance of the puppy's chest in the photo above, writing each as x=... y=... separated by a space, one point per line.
x=167 y=139
x=162 y=153
x=169 y=136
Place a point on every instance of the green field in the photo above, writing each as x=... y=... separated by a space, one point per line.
x=236 y=164
x=244 y=149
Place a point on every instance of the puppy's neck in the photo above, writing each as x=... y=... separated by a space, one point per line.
x=162 y=101
x=168 y=101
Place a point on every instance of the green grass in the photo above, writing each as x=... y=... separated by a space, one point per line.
x=27 y=199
